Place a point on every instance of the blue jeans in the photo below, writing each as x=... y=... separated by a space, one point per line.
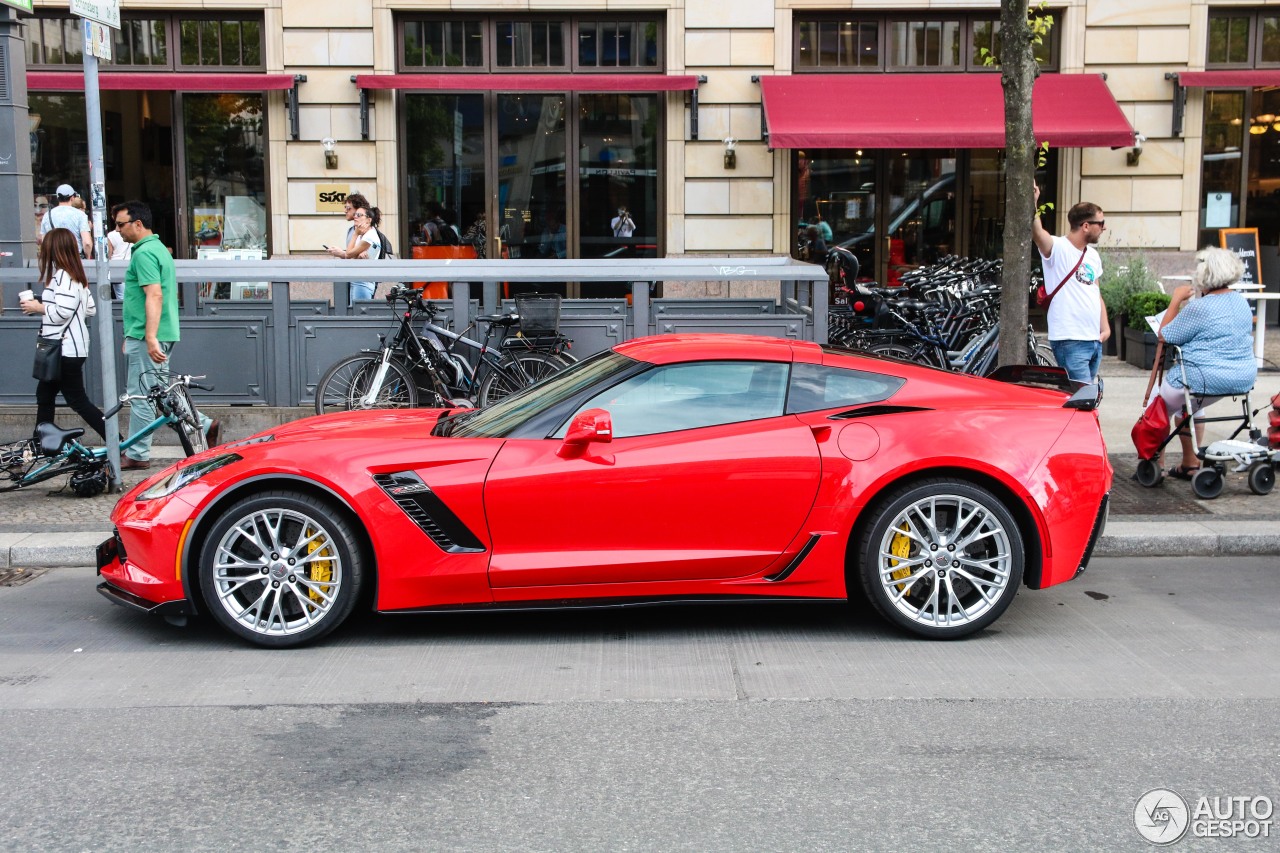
x=143 y=373
x=361 y=290
x=1082 y=359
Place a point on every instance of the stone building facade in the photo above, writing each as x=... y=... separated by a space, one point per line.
x=552 y=185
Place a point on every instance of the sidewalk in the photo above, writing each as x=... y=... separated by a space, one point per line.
x=46 y=526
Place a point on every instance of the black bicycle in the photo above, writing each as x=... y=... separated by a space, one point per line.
x=411 y=369
x=53 y=451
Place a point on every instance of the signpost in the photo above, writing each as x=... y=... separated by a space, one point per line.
x=105 y=13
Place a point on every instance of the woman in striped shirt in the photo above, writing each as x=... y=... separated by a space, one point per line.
x=66 y=302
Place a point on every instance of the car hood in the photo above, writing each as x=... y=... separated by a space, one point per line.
x=382 y=423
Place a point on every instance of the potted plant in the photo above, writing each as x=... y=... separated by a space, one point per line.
x=1124 y=274
x=1140 y=341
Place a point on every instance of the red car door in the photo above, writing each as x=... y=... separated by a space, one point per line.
x=716 y=502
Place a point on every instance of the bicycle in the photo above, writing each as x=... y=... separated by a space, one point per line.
x=53 y=451
x=409 y=367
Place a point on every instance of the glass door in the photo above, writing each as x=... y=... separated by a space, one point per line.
x=920 y=221
x=617 y=181
x=838 y=188
x=444 y=164
x=532 y=176
x=1222 y=168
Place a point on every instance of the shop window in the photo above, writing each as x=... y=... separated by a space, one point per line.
x=828 y=42
x=1229 y=39
x=141 y=41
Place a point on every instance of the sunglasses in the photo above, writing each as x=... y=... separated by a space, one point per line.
x=362 y=216
x=1101 y=222
x=120 y=224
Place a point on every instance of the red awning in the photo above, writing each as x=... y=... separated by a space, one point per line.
x=1247 y=77
x=531 y=82
x=157 y=81
x=935 y=111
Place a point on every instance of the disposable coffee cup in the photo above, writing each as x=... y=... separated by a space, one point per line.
x=25 y=296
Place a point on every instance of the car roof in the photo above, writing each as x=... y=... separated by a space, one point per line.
x=667 y=349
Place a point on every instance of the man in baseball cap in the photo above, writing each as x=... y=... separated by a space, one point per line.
x=67 y=215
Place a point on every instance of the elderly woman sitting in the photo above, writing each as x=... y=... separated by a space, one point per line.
x=1214 y=327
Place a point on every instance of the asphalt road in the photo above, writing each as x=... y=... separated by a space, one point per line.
x=698 y=728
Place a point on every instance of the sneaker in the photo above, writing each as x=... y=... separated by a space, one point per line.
x=213 y=434
x=128 y=463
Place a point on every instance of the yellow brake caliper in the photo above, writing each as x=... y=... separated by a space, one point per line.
x=900 y=546
x=321 y=570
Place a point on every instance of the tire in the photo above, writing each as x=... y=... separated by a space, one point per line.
x=254 y=588
x=1148 y=473
x=1262 y=478
x=931 y=578
x=343 y=384
x=1042 y=356
x=190 y=435
x=898 y=351
x=1208 y=482
x=522 y=371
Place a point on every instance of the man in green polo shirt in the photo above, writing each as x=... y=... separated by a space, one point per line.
x=150 y=323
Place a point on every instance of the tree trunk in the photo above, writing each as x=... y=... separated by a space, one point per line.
x=1018 y=72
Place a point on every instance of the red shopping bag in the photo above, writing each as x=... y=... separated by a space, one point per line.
x=1151 y=429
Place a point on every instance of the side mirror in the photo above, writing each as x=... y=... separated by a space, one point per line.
x=589 y=427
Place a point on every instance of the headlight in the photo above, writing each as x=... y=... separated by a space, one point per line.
x=189 y=474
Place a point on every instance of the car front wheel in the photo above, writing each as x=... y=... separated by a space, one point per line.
x=280 y=569
x=942 y=559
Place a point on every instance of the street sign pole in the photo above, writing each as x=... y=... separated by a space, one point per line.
x=104 y=324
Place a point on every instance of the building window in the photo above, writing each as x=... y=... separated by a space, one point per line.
x=505 y=43
x=443 y=44
x=829 y=42
x=204 y=43
x=1243 y=39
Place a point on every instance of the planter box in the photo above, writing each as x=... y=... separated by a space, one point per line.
x=1140 y=348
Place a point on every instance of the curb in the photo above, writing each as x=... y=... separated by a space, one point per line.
x=1214 y=538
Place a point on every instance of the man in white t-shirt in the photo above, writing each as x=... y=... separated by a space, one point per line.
x=1072 y=266
x=622 y=224
x=66 y=215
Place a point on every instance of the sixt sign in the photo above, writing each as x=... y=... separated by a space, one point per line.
x=330 y=197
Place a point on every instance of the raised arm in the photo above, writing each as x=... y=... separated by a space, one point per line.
x=1042 y=238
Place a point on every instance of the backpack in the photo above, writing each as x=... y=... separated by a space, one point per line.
x=448 y=237
x=386 y=250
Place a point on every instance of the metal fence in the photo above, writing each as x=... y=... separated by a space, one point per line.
x=272 y=351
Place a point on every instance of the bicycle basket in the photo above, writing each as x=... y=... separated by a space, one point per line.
x=539 y=313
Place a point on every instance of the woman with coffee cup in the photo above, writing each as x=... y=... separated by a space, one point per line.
x=66 y=302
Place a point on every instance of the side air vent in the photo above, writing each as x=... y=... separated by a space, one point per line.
x=873 y=411
x=6 y=90
x=430 y=513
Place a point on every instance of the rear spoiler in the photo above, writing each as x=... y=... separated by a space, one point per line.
x=1084 y=396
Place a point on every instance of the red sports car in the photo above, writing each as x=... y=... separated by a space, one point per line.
x=699 y=467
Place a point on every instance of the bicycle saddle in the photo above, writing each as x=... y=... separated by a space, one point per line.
x=51 y=437
x=500 y=319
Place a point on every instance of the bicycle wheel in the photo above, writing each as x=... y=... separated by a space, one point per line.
x=515 y=373
x=187 y=425
x=18 y=478
x=344 y=385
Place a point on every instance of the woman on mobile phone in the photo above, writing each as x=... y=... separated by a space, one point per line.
x=366 y=244
x=66 y=302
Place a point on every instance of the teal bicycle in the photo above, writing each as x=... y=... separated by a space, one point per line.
x=53 y=452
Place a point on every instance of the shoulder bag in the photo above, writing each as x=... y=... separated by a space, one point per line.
x=1044 y=297
x=48 y=363
x=1152 y=428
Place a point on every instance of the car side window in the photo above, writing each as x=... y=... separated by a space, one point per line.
x=819 y=386
x=674 y=397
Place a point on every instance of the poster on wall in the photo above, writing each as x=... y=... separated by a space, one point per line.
x=1217 y=210
x=245 y=223
x=206 y=226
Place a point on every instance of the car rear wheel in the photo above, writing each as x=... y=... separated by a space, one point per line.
x=941 y=558
x=280 y=569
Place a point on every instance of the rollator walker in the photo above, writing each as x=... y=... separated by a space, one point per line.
x=1254 y=455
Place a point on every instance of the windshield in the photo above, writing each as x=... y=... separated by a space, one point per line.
x=504 y=417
